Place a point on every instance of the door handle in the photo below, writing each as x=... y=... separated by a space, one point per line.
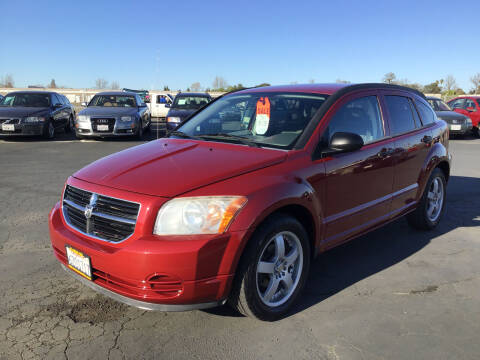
x=427 y=139
x=385 y=152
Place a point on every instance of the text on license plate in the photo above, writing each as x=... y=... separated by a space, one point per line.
x=79 y=262
x=455 y=127
x=8 y=127
x=102 y=127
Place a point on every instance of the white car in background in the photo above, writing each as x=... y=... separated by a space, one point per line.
x=158 y=104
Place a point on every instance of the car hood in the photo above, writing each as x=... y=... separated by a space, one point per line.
x=107 y=111
x=450 y=115
x=181 y=113
x=19 y=111
x=170 y=167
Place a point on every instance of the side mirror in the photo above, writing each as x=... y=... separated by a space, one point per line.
x=84 y=104
x=57 y=105
x=147 y=99
x=342 y=142
x=168 y=105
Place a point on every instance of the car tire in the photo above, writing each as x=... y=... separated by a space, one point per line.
x=49 y=130
x=69 y=125
x=431 y=207
x=139 y=134
x=269 y=294
x=78 y=136
x=476 y=132
x=149 y=126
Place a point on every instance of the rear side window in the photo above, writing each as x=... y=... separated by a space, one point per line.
x=427 y=114
x=401 y=116
x=360 y=116
x=469 y=104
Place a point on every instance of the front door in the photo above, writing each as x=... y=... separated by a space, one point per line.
x=358 y=184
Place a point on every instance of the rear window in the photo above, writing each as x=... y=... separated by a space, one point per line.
x=427 y=114
x=401 y=116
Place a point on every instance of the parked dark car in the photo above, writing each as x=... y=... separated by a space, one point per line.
x=184 y=105
x=458 y=124
x=1 y=97
x=113 y=113
x=27 y=113
x=470 y=106
x=235 y=208
x=71 y=119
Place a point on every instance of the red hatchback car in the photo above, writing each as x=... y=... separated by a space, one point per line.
x=469 y=106
x=236 y=203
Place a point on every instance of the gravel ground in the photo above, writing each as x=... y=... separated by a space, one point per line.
x=395 y=293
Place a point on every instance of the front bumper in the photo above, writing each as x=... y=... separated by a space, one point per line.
x=24 y=130
x=198 y=270
x=459 y=128
x=116 y=128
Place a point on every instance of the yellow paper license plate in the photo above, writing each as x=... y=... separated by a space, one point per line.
x=79 y=262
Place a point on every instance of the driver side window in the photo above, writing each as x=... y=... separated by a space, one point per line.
x=359 y=116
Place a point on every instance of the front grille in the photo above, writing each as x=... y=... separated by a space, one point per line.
x=100 y=216
x=103 y=121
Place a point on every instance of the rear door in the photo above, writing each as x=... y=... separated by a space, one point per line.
x=358 y=184
x=413 y=141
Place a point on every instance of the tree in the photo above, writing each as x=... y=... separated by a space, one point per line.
x=52 y=84
x=196 y=86
x=115 y=85
x=188 y=89
x=7 y=81
x=311 y=81
x=219 y=83
x=101 y=83
x=166 y=88
x=475 y=79
x=450 y=83
x=433 y=88
x=262 y=85
x=340 y=81
x=389 y=78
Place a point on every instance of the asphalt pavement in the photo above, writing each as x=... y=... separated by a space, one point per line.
x=395 y=293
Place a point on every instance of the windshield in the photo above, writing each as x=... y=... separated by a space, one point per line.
x=190 y=102
x=113 y=100
x=439 y=105
x=264 y=119
x=27 y=100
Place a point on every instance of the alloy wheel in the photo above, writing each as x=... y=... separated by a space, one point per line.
x=279 y=268
x=435 y=199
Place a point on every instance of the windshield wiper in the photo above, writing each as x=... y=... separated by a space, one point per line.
x=226 y=136
x=183 y=135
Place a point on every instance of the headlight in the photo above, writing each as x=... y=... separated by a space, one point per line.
x=197 y=215
x=127 y=118
x=468 y=120
x=33 y=119
x=83 y=118
x=174 y=119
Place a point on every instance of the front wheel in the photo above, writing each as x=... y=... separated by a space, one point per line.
x=430 y=209
x=273 y=269
x=139 y=134
x=69 y=126
x=49 y=130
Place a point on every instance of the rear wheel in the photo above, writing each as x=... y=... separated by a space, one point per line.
x=476 y=132
x=273 y=269
x=432 y=205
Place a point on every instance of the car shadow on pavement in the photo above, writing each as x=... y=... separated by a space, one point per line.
x=342 y=267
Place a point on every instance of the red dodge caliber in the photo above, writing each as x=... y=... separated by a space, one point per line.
x=236 y=202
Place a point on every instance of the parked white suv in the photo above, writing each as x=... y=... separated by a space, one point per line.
x=158 y=104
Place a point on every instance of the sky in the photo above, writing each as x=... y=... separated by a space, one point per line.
x=150 y=44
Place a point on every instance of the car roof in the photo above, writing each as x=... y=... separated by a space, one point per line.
x=32 y=92
x=117 y=93
x=328 y=89
x=192 y=94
